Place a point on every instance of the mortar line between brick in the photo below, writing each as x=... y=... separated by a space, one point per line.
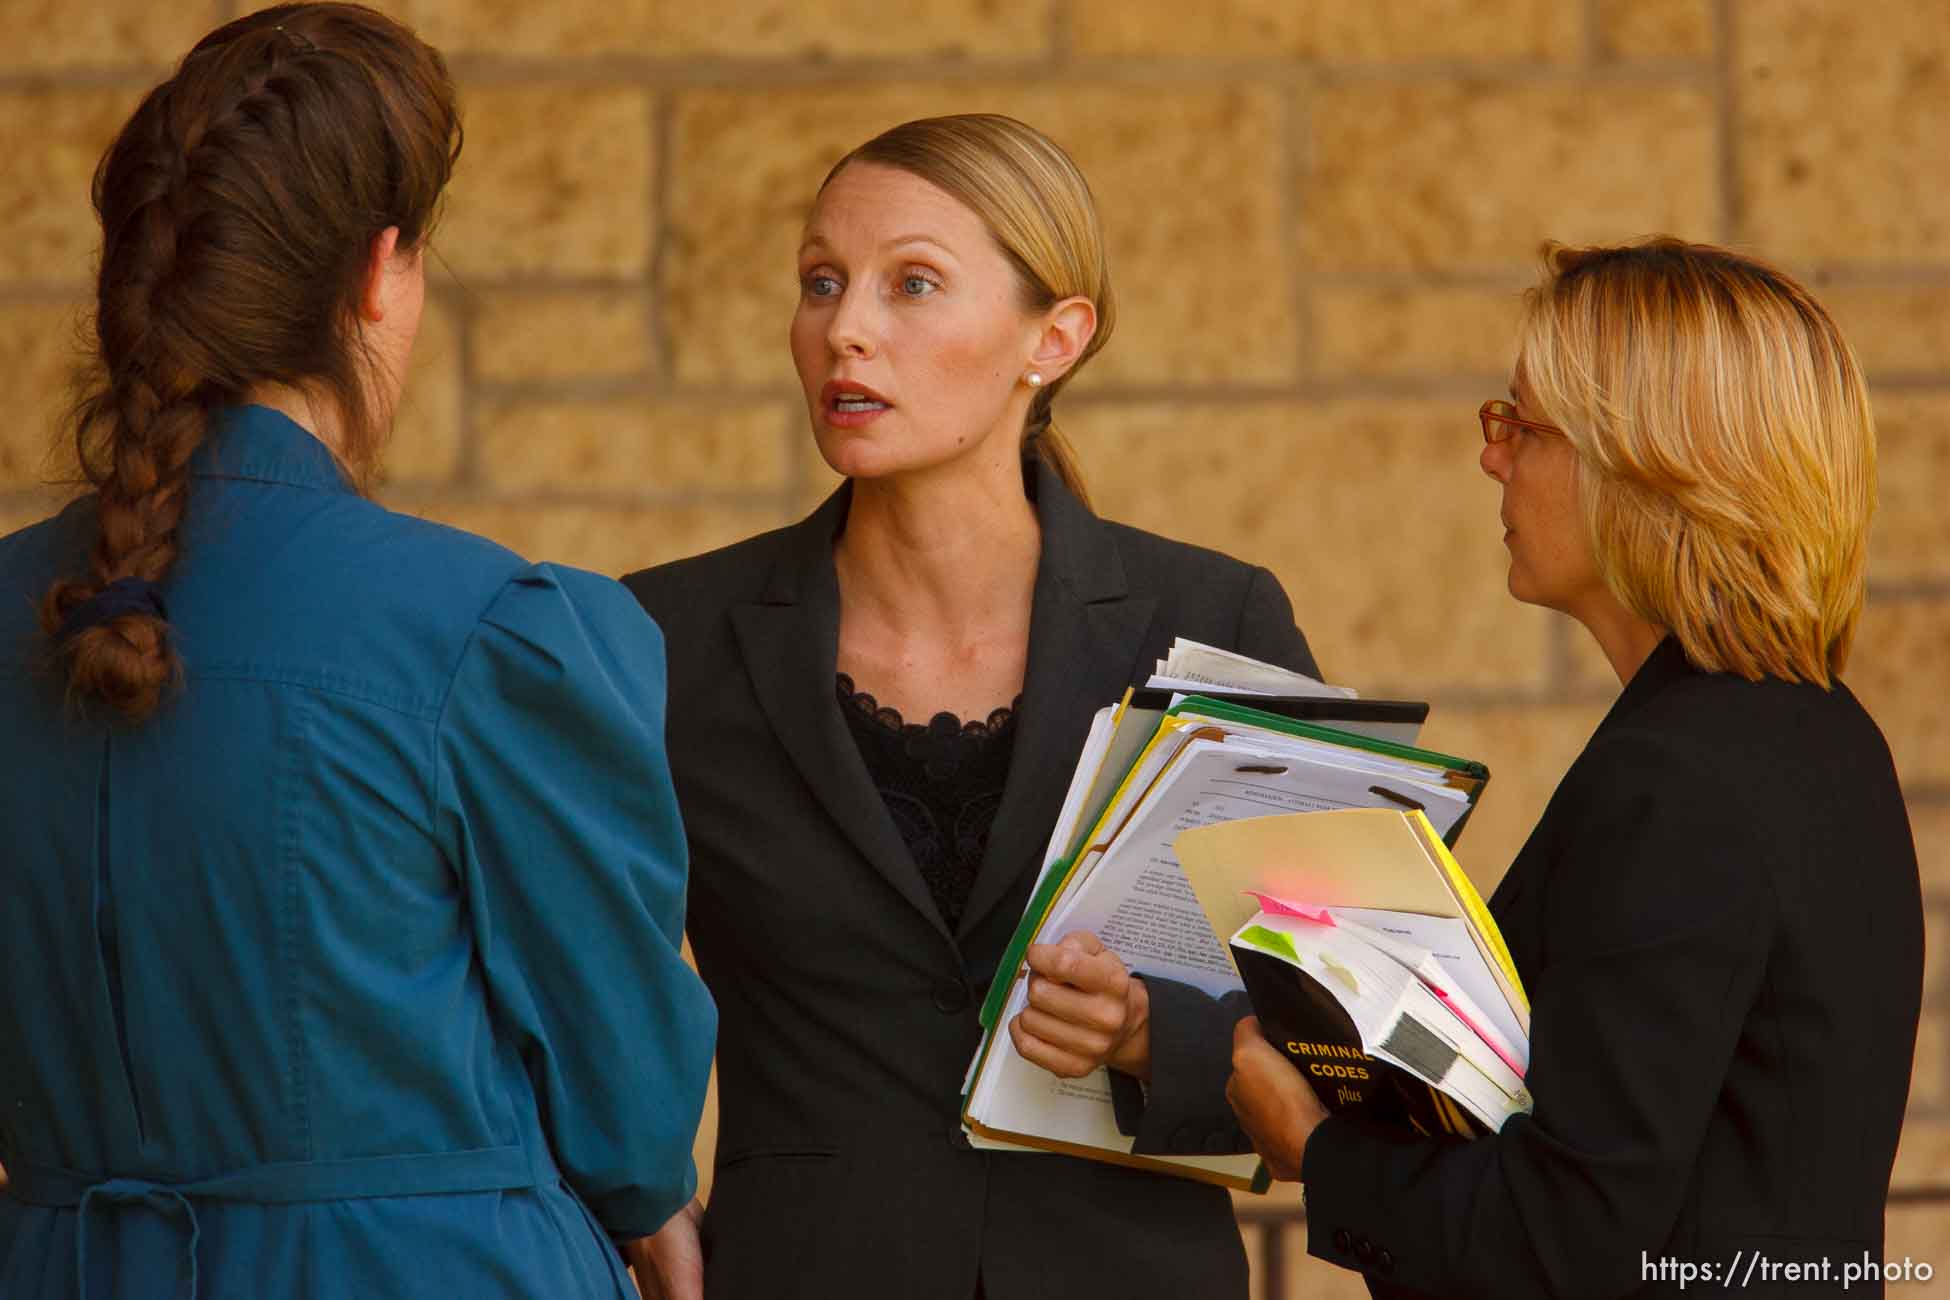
x=37 y=293
x=769 y=75
x=49 y=495
x=1062 y=33
x=663 y=139
x=1561 y=672
x=1914 y=381
x=1932 y=274
x=800 y=455
x=107 y=76
x=1466 y=699
x=1466 y=389
x=547 y=497
x=462 y=304
x=1638 y=72
x=1514 y=279
x=621 y=387
x=543 y=283
x=1299 y=159
x=717 y=73
x=1460 y=387
x=1727 y=110
x=1463 y=388
x=1911 y=591
x=1596 y=52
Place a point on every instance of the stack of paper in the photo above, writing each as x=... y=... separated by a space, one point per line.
x=1144 y=777
x=1193 y=666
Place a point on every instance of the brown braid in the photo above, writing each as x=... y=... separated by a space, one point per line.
x=239 y=206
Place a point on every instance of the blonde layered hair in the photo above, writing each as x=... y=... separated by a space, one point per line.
x=1726 y=450
x=1043 y=217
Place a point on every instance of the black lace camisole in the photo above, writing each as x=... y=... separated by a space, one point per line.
x=942 y=783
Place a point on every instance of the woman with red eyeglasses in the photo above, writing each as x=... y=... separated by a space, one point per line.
x=1718 y=918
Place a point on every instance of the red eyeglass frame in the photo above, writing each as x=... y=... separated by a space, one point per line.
x=1497 y=412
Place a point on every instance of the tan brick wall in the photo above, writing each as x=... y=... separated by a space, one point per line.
x=1319 y=216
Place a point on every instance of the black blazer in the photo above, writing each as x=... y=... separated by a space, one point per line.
x=1720 y=926
x=847 y=1008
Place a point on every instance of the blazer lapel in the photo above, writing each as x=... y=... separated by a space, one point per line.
x=1085 y=635
x=790 y=644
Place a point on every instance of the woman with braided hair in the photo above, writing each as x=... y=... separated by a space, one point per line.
x=339 y=953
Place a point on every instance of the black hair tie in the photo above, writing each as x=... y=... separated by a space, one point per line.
x=122 y=596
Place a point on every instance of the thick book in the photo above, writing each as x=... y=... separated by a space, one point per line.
x=1301 y=1018
x=1371 y=962
x=1377 y=1027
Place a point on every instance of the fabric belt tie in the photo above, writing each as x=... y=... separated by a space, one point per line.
x=439 y=1173
x=133 y=1191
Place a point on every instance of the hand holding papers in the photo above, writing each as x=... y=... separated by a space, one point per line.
x=1084 y=1008
x=1146 y=776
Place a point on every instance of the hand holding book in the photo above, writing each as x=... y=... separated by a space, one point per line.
x=1409 y=1015
x=1274 y=1104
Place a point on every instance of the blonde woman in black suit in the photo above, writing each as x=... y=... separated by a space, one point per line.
x=1718 y=917
x=873 y=718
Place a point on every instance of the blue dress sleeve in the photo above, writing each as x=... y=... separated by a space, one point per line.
x=554 y=793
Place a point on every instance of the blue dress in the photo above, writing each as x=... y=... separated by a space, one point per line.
x=355 y=970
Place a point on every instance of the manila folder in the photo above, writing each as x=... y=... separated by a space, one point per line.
x=1354 y=857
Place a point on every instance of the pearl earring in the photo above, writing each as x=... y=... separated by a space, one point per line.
x=1034 y=379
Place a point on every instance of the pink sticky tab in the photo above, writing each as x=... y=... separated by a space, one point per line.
x=1489 y=1040
x=1280 y=907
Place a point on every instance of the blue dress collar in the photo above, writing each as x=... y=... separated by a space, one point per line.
x=256 y=442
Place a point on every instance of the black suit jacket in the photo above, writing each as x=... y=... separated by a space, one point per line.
x=847 y=1008
x=1720 y=926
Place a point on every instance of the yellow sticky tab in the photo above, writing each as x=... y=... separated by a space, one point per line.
x=1479 y=915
